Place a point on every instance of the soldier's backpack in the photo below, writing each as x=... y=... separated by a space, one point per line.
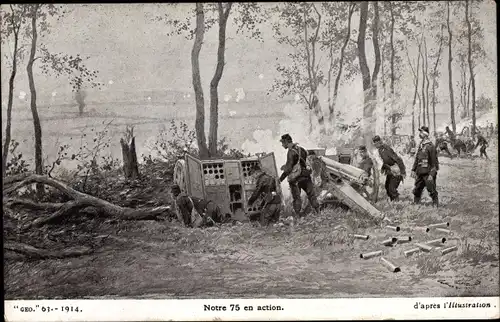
x=297 y=168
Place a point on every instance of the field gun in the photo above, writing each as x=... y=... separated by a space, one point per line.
x=338 y=180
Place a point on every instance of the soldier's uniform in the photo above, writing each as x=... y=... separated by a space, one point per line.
x=390 y=159
x=366 y=163
x=266 y=188
x=425 y=168
x=302 y=182
x=481 y=141
x=207 y=209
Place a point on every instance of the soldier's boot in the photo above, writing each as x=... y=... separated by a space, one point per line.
x=416 y=200
x=435 y=202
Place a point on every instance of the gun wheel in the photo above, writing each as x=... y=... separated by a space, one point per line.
x=373 y=187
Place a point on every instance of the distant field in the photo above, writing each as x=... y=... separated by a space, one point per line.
x=62 y=125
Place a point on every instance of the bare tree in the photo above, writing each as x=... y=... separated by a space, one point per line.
x=415 y=72
x=435 y=75
x=14 y=19
x=471 y=67
x=450 y=72
x=369 y=88
x=214 y=84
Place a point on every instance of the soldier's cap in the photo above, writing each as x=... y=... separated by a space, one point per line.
x=362 y=148
x=175 y=188
x=376 y=138
x=424 y=129
x=286 y=138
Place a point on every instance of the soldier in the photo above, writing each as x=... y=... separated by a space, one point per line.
x=299 y=176
x=425 y=168
x=366 y=163
x=412 y=145
x=484 y=144
x=392 y=166
x=266 y=188
x=451 y=135
x=206 y=209
x=442 y=145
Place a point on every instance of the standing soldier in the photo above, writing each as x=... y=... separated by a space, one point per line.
x=266 y=188
x=412 y=146
x=484 y=144
x=392 y=166
x=425 y=168
x=299 y=176
x=206 y=211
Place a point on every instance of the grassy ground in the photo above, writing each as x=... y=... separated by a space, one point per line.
x=313 y=258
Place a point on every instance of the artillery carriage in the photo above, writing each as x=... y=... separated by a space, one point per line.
x=228 y=183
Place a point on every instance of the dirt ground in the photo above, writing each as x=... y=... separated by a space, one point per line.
x=315 y=257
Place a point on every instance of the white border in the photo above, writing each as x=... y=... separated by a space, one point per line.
x=292 y=309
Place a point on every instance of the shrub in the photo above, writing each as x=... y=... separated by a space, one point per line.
x=17 y=164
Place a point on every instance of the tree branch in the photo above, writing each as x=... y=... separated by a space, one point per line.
x=34 y=252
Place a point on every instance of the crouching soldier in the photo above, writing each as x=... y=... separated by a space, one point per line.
x=393 y=167
x=425 y=168
x=442 y=145
x=366 y=164
x=195 y=212
x=266 y=189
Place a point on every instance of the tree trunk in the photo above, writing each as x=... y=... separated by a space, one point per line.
x=450 y=73
x=393 y=54
x=198 y=90
x=130 y=166
x=471 y=67
x=376 y=47
x=10 y=101
x=384 y=116
x=365 y=72
x=79 y=200
x=341 y=62
x=423 y=82
x=427 y=85
x=312 y=71
x=33 y=252
x=214 y=84
x=415 y=73
x=434 y=79
x=36 y=119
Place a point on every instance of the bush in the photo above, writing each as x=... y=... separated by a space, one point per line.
x=17 y=164
x=171 y=144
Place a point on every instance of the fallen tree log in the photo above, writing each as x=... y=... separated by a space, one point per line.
x=34 y=252
x=80 y=200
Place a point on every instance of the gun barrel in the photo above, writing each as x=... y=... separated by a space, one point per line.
x=344 y=170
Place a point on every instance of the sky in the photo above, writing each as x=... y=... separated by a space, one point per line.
x=134 y=51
